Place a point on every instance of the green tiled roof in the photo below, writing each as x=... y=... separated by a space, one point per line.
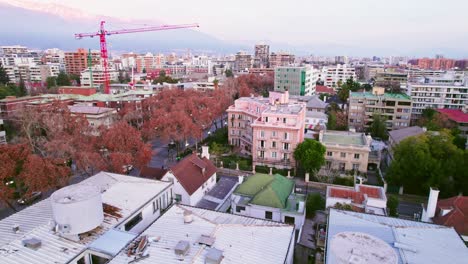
x=267 y=190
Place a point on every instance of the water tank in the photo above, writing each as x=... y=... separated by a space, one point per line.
x=77 y=208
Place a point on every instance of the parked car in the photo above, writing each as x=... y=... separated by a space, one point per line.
x=29 y=199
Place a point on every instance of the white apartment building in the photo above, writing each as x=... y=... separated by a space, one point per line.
x=296 y=80
x=2 y=133
x=98 y=75
x=449 y=91
x=332 y=76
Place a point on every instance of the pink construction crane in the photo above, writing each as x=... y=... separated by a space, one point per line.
x=102 y=39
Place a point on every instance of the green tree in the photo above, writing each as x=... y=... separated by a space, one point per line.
x=378 y=127
x=4 y=79
x=311 y=155
x=228 y=73
x=392 y=205
x=331 y=125
x=367 y=87
x=51 y=81
x=22 y=88
x=429 y=160
x=75 y=79
x=63 y=79
x=314 y=202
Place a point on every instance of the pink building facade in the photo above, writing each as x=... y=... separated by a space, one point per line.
x=269 y=129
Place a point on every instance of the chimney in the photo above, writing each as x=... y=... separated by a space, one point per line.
x=205 y=153
x=431 y=205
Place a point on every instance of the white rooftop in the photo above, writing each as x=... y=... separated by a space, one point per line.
x=126 y=193
x=241 y=239
x=411 y=241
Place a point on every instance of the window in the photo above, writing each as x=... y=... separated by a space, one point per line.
x=289 y=220
x=355 y=166
x=266 y=119
x=342 y=166
x=286 y=146
x=284 y=120
x=273 y=144
x=262 y=133
x=262 y=143
x=285 y=156
x=273 y=154
x=240 y=208
x=329 y=153
x=268 y=215
x=261 y=154
x=273 y=133
x=356 y=156
x=133 y=222
x=343 y=154
x=286 y=135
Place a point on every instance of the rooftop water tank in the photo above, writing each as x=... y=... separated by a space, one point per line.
x=77 y=208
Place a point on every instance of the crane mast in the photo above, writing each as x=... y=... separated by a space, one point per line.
x=102 y=41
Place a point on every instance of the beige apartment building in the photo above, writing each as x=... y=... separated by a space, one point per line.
x=396 y=108
x=346 y=151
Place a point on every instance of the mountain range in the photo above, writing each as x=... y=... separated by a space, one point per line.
x=42 y=26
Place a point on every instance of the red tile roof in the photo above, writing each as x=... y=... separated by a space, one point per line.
x=457 y=217
x=456 y=115
x=372 y=192
x=357 y=197
x=324 y=89
x=152 y=173
x=189 y=172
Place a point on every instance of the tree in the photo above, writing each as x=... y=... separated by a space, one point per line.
x=367 y=87
x=22 y=88
x=74 y=79
x=51 y=81
x=434 y=121
x=314 y=202
x=4 y=79
x=378 y=128
x=349 y=86
x=228 y=73
x=63 y=79
x=429 y=160
x=392 y=205
x=311 y=155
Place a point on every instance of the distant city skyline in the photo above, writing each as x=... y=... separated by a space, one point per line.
x=337 y=27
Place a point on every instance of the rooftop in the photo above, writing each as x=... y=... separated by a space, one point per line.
x=398 y=135
x=192 y=172
x=343 y=138
x=121 y=196
x=219 y=193
x=240 y=239
x=369 y=95
x=357 y=195
x=456 y=115
x=457 y=215
x=89 y=110
x=363 y=237
x=267 y=190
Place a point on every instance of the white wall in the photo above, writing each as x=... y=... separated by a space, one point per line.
x=380 y=203
x=332 y=201
x=196 y=196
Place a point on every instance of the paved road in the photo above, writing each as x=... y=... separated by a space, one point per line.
x=408 y=209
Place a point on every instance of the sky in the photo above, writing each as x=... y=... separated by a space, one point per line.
x=355 y=27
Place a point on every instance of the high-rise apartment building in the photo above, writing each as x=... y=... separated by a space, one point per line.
x=395 y=108
x=77 y=61
x=2 y=133
x=449 y=91
x=16 y=49
x=150 y=62
x=335 y=75
x=98 y=76
x=243 y=61
x=267 y=128
x=296 y=80
x=281 y=59
x=262 y=56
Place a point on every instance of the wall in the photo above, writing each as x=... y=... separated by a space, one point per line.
x=196 y=196
x=332 y=201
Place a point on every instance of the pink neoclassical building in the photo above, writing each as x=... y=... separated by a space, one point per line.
x=269 y=129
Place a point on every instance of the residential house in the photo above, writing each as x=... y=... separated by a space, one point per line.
x=269 y=197
x=186 y=234
x=345 y=151
x=96 y=116
x=193 y=177
x=75 y=224
x=362 y=198
x=459 y=117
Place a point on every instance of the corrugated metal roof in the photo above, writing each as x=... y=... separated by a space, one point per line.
x=124 y=192
x=430 y=243
x=242 y=239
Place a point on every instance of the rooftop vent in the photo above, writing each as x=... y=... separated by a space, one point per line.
x=32 y=243
x=206 y=240
x=188 y=217
x=214 y=256
x=15 y=228
x=182 y=248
